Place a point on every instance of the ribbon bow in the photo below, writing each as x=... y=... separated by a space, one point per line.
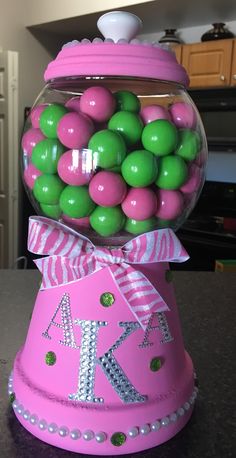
x=71 y=256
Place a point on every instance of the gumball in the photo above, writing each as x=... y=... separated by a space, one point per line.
x=76 y=202
x=127 y=101
x=30 y=175
x=139 y=169
x=74 y=130
x=108 y=148
x=172 y=173
x=30 y=138
x=35 y=115
x=77 y=222
x=98 y=103
x=128 y=124
x=107 y=189
x=169 y=204
x=160 y=137
x=76 y=167
x=50 y=118
x=183 y=115
x=188 y=145
x=52 y=211
x=107 y=221
x=138 y=227
x=47 y=189
x=46 y=154
x=193 y=181
x=153 y=112
x=139 y=204
x=73 y=104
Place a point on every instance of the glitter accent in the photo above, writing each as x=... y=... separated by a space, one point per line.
x=12 y=397
x=164 y=328
x=107 y=299
x=50 y=358
x=115 y=374
x=146 y=343
x=88 y=361
x=169 y=276
x=66 y=323
x=118 y=439
x=155 y=364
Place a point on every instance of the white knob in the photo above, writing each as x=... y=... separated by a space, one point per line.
x=234 y=77
x=222 y=78
x=119 y=25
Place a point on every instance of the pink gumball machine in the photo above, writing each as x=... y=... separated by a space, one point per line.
x=113 y=155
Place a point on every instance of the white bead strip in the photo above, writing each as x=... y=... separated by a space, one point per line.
x=100 y=436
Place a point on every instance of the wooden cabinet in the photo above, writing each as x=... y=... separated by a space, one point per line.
x=233 y=70
x=178 y=52
x=209 y=64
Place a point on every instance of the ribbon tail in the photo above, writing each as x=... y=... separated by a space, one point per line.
x=139 y=293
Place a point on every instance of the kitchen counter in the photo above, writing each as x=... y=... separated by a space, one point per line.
x=207 y=303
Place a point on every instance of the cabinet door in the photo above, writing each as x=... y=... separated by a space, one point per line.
x=233 y=78
x=208 y=64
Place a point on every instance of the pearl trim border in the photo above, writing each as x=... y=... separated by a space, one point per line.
x=100 y=436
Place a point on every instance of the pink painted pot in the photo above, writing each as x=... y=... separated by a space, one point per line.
x=90 y=380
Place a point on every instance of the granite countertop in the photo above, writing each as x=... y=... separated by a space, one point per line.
x=206 y=303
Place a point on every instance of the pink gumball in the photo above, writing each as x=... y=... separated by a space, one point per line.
x=170 y=204
x=152 y=112
x=77 y=222
x=73 y=104
x=98 y=103
x=30 y=139
x=107 y=189
x=194 y=180
x=35 y=115
x=76 y=167
x=30 y=175
x=183 y=115
x=74 y=130
x=140 y=203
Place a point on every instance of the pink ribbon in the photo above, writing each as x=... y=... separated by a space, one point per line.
x=71 y=256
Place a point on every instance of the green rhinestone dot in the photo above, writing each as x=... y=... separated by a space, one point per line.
x=50 y=358
x=169 y=276
x=107 y=299
x=118 y=439
x=155 y=364
x=12 y=397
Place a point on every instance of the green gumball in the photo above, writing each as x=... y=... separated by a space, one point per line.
x=107 y=221
x=128 y=124
x=138 y=227
x=76 y=202
x=108 y=149
x=46 y=154
x=172 y=172
x=139 y=169
x=127 y=101
x=160 y=137
x=47 y=189
x=189 y=144
x=50 y=118
x=52 y=211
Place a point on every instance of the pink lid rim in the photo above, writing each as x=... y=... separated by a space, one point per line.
x=109 y=59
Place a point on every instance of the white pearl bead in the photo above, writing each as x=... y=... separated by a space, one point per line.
x=52 y=428
x=26 y=414
x=42 y=425
x=173 y=417
x=10 y=378
x=133 y=432
x=155 y=425
x=10 y=391
x=100 y=437
x=75 y=434
x=10 y=385
x=34 y=419
x=165 y=421
x=20 y=409
x=191 y=400
x=180 y=411
x=63 y=431
x=186 y=406
x=15 y=404
x=85 y=41
x=88 y=435
x=97 y=40
x=145 y=429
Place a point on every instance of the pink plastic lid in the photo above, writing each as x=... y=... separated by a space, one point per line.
x=118 y=55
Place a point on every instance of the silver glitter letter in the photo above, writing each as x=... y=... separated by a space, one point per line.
x=161 y=325
x=66 y=323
